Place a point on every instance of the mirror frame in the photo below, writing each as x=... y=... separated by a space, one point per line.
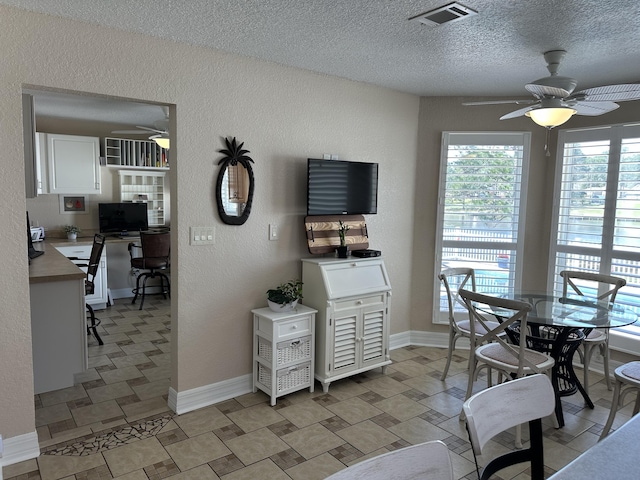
x=234 y=155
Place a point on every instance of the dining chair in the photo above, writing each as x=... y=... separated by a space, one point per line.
x=491 y=350
x=597 y=337
x=453 y=279
x=428 y=461
x=504 y=406
x=92 y=265
x=627 y=381
x=156 y=253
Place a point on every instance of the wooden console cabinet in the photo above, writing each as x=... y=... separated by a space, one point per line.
x=353 y=299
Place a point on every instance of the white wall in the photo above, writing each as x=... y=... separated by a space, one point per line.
x=283 y=115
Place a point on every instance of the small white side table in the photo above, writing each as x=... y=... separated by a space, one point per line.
x=283 y=350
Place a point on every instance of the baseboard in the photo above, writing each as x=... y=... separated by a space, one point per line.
x=20 y=448
x=189 y=400
x=121 y=293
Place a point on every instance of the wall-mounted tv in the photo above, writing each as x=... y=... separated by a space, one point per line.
x=122 y=218
x=339 y=187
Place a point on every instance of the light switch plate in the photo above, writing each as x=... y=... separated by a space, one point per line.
x=202 y=235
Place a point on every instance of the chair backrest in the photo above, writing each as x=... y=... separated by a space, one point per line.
x=156 y=249
x=496 y=333
x=427 y=461
x=503 y=406
x=94 y=262
x=459 y=277
x=601 y=283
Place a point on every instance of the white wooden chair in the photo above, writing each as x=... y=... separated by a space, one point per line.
x=492 y=351
x=501 y=407
x=627 y=381
x=453 y=280
x=597 y=337
x=425 y=461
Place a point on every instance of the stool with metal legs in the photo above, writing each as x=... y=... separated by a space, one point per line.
x=155 y=259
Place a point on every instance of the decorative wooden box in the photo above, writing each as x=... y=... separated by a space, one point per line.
x=322 y=232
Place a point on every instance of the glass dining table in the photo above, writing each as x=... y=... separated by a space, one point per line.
x=557 y=326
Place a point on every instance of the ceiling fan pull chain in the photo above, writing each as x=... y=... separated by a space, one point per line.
x=546 y=143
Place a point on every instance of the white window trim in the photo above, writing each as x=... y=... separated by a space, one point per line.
x=619 y=341
x=480 y=138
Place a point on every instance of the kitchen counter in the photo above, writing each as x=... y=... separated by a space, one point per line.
x=58 y=325
x=52 y=266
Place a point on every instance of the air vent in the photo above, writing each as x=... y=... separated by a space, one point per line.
x=447 y=14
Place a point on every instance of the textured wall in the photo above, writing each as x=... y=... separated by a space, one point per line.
x=283 y=115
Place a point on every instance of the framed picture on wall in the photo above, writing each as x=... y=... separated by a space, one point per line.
x=73 y=204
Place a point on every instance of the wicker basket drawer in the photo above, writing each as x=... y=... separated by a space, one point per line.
x=286 y=352
x=285 y=379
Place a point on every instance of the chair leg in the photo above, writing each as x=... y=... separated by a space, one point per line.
x=604 y=349
x=136 y=292
x=588 y=351
x=92 y=327
x=472 y=367
x=144 y=290
x=452 y=345
x=613 y=411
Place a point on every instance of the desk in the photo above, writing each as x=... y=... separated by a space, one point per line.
x=558 y=326
x=58 y=331
x=616 y=457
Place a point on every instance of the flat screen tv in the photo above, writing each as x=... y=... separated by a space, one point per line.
x=339 y=187
x=122 y=218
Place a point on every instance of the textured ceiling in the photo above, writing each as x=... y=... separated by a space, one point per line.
x=494 y=53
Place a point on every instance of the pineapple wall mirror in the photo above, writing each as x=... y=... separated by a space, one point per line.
x=234 y=187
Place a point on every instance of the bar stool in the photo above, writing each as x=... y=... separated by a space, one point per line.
x=156 y=253
x=627 y=380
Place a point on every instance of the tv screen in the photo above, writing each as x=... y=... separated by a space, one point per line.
x=122 y=218
x=338 y=187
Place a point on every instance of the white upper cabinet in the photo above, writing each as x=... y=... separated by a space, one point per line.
x=73 y=164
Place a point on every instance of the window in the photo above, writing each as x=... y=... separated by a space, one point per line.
x=597 y=208
x=481 y=209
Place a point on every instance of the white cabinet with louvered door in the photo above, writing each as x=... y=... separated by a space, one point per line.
x=353 y=298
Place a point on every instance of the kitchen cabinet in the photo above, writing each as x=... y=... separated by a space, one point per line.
x=73 y=164
x=42 y=178
x=353 y=299
x=99 y=299
x=283 y=345
x=146 y=187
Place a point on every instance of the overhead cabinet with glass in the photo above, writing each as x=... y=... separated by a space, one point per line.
x=143 y=154
x=67 y=164
x=145 y=187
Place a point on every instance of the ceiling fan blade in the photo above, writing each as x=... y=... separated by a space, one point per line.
x=546 y=90
x=593 y=109
x=131 y=132
x=516 y=113
x=501 y=102
x=609 y=93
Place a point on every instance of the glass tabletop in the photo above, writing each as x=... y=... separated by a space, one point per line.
x=572 y=311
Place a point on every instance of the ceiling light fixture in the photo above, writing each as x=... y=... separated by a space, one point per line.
x=163 y=142
x=550 y=117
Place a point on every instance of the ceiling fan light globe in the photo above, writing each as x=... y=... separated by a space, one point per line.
x=162 y=142
x=550 y=117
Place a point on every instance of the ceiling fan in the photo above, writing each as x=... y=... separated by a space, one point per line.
x=160 y=132
x=555 y=101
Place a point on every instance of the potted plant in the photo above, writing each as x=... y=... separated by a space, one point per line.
x=343 y=250
x=72 y=231
x=285 y=296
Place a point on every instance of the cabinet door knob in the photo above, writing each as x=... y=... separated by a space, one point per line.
x=359 y=302
x=293 y=327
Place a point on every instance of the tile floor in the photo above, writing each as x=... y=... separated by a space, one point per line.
x=116 y=423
